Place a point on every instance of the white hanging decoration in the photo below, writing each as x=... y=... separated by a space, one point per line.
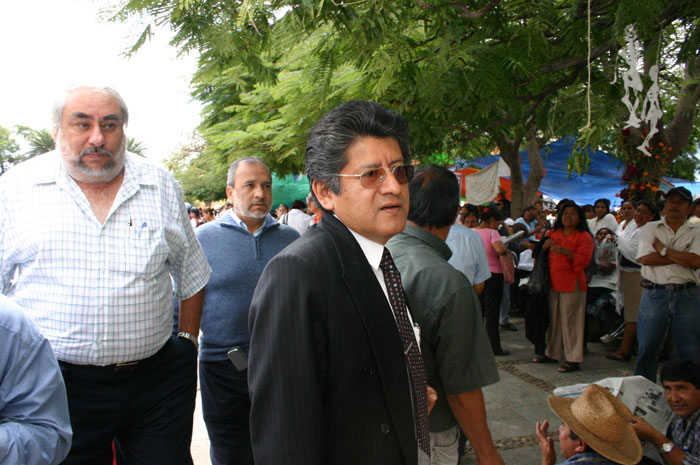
x=650 y=113
x=651 y=109
x=631 y=78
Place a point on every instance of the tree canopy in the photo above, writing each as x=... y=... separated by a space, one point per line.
x=468 y=75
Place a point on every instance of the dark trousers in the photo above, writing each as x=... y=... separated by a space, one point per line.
x=491 y=307
x=226 y=411
x=145 y=409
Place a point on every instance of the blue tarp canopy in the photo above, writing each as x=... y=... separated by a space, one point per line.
x=603 y=179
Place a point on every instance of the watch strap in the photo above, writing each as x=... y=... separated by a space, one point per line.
x=667 y=447
x=190 y=337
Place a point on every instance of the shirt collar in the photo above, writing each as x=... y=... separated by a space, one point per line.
x=233 y=218
x=686 y=224
x=373 y=250
x=236 y=219
x=430 y=239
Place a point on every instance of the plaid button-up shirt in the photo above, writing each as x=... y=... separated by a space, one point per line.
x=100 y=293
x=685 y=433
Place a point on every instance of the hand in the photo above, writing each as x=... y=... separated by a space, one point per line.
x=549 y=456
x=658 y=245
x=547 y=244
x=643 y=429
x=561 y=250
x=432 y=399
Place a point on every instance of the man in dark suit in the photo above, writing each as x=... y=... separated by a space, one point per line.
x=334 y=371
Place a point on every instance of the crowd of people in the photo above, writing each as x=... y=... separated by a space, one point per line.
x=358 y=327
x=600 y=274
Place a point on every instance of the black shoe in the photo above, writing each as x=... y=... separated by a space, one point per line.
x=509 y=327
x=501 y=353
x=569 y=367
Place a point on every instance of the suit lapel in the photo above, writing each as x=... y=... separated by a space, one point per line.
x=379 y=323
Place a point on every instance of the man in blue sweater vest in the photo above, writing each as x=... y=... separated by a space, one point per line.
x=238 y=246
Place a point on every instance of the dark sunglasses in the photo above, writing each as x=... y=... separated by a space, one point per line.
x=376 y=176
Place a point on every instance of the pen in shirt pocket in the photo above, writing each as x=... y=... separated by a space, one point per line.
x=144 y=225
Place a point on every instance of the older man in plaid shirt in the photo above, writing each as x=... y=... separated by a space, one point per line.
x=89 y=240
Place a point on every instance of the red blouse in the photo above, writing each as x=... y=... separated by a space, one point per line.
x=564 y=271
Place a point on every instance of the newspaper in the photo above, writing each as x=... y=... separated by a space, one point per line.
x=645 y=399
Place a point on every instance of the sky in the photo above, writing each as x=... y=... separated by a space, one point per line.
x=47 y=45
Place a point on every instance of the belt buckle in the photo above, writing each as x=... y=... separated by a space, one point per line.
x=128 y=366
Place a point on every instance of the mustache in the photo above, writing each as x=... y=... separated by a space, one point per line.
x=97 y=150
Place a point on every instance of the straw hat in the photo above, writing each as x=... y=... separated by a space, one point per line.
x=602 y=421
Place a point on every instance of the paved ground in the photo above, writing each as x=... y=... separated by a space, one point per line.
x=513 y=405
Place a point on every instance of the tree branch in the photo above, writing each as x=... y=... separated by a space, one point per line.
x=467 y=13
x=579 y=60
x=469 y=135
x=566 y=81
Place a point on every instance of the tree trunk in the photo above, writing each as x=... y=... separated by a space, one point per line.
x=536 y=167
x=510 y=154
x=675 y=135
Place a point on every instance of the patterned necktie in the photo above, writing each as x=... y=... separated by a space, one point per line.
x=414 y=361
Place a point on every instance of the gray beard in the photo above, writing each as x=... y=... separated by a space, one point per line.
x=83 y=173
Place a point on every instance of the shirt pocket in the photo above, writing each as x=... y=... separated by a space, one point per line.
x=142 y=251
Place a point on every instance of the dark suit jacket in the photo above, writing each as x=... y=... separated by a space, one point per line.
x=327 y=375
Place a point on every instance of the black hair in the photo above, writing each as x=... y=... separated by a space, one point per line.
x=633 y=202
x=651 y=205
x=605 y=202
x=492 y=212
x=681 y=370
x=587 y=208
x=326 y=148
x=434 y=194
x=529 y=207
x=298 y=204
x=468 y=210
x=518 y=227
x=582 y=223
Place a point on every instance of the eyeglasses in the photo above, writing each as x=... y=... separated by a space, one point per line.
x=376 y=176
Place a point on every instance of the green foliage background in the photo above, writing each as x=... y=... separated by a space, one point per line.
x=468 y=75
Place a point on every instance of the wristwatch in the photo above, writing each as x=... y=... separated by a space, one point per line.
x=190 y=337
x=663 y=251
x=666 y=448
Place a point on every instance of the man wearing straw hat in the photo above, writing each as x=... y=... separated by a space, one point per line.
x=595 y=429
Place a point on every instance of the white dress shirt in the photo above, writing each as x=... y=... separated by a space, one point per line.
x=100 y=293
x=373 y=252
x=686 y=239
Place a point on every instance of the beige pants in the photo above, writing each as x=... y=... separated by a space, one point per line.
x=567 y=317
x=444 y=447
x=631 y=287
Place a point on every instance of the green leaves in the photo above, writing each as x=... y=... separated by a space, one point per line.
x=464 y=74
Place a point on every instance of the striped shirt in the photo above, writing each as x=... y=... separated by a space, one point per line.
x=100 y=293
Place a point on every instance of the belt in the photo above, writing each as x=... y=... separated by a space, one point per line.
x=669 y=287
x=124 y=367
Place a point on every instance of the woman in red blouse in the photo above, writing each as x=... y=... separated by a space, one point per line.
x=570 y=246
